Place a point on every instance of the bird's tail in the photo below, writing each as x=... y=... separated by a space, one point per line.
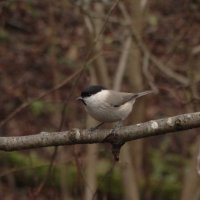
x=140 y=94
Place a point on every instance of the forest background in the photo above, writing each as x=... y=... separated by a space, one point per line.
x=51 y=50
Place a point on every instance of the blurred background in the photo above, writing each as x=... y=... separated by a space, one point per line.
x=51 y=50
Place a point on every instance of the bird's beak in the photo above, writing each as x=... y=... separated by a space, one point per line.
x=79 y=98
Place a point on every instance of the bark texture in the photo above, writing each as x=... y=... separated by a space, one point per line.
x=126 y=133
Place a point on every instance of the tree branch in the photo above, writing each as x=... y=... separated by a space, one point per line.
x=127 y=133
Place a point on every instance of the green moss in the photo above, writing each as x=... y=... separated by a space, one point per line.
x=109 y=179
x=166 y=175
x=4 y=36
x=30 y=170
x=40 y=107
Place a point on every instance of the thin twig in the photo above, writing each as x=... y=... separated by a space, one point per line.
x=44 y=94
x=97 y=25
x=147 y=73
x=137 y=39
x=122 y=64
x=41 y=186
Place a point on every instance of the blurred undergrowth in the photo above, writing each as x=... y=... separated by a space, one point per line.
x=29 y=170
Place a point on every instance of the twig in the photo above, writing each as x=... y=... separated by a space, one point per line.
x=147 y=74
x=106 y=19
x=198 y=162
x=95 y=26
x=101 y=61
x=164 y=69
x=100 y=31
x=117 y=84
x=26 y=104
x=196 y=50
x=40 y=187
x=44 y=94
x=54 y=155
x=122 y=63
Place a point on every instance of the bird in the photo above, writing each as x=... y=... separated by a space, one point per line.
x=108 y=106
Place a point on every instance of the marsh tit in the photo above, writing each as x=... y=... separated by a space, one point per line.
x=108 y=105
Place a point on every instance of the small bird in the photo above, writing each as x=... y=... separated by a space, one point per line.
x=108 y=105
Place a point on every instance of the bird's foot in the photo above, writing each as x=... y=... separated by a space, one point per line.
x=96 y=127
x=115 y=140
x=117 y=126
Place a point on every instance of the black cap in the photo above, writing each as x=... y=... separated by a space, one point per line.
x=93 y=89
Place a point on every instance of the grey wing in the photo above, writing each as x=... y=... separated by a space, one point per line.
x=117 y=99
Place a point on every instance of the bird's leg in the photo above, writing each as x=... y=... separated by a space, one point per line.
x=96 y=127
x=115 y=141
x=117 y=126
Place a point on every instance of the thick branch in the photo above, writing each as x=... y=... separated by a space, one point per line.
x=127 y=133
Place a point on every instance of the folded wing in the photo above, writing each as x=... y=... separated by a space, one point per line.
x=116 y=99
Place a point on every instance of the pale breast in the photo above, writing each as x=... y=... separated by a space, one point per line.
x=99 y=108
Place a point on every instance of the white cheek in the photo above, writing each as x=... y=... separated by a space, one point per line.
x=97 y=99
x=99 y=109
